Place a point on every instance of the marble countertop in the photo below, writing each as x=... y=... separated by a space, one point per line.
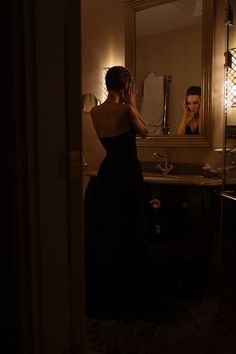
x=229 y=195
x=153 y=177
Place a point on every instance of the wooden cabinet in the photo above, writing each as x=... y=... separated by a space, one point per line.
x=183 y=225
x=227 y=304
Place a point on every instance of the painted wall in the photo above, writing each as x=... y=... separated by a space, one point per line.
x=103 y=44
x=176 y=54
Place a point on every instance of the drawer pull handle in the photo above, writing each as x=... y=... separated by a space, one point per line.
x=185 y=205
x=155 y=203
x=157 y=229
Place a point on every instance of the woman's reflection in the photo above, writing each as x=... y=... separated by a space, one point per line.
x=190 y=123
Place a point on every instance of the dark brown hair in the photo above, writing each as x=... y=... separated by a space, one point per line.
x=116 y=78
x=194 y=90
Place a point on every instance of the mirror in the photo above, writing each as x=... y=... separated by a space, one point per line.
x=176 y=44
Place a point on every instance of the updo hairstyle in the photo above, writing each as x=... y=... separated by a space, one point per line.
x=116 y=78
x=194 y=90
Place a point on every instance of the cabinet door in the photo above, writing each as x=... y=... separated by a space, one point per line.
x=228 y=264
x=173 y=212
x=181 y=233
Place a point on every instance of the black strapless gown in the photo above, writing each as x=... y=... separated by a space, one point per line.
x=115 y=229
x=189 y=130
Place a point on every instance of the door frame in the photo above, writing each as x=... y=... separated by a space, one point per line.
x=30 y=253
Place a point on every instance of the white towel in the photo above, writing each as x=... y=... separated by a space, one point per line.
x=153 y=102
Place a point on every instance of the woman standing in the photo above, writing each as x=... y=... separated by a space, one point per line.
x=115 y=205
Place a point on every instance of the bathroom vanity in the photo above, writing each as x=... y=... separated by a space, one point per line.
x=182 y=207
x=183 y=219
x=183 y=213
x=227 y=305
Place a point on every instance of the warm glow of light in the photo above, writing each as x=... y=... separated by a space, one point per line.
x=230 y=94
x=104 y=91
x=230 y=82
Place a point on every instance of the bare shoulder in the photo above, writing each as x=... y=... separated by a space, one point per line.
x=96 y=113
x=128 y=108
x=94 y=110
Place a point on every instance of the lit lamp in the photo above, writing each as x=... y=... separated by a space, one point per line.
x=230 y=79
x=230 y=84
x=230 y=64
x=105 y=92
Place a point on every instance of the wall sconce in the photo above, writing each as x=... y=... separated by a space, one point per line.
x=105 y=92
x=88 y=101
x=230 y=64
x=230 y=79
x=230 y=85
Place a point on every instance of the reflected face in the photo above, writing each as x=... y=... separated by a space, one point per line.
x=193 y=103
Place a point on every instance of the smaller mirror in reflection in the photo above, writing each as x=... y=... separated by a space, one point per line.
x=89 y=101
x=191 y=119
x=154 y=103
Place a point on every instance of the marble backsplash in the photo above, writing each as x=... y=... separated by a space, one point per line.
x=178 y=168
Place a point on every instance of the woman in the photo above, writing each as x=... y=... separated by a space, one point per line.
x=190 y=123
x=114 y=204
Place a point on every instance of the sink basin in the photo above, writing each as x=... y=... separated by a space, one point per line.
x=171 y=176
x=159 y=175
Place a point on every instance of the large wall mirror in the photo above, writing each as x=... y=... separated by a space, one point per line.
x=169 y=50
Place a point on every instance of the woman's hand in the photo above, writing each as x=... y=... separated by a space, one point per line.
x=200 y=111
x=130 y=95
x=185 y=107
x=187 y=115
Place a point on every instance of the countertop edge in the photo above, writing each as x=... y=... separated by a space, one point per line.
x=176 y=180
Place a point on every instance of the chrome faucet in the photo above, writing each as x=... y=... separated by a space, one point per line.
x=161 y=163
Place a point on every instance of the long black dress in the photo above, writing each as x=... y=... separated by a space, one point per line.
x=115 y=229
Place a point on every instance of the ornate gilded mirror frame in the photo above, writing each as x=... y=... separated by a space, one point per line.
x=132 y=6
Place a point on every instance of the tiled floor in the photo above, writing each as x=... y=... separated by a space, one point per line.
x=195 y=329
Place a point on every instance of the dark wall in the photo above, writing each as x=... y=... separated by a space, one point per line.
x=15 y=253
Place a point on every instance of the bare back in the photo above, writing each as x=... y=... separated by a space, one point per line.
x=111 y=119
